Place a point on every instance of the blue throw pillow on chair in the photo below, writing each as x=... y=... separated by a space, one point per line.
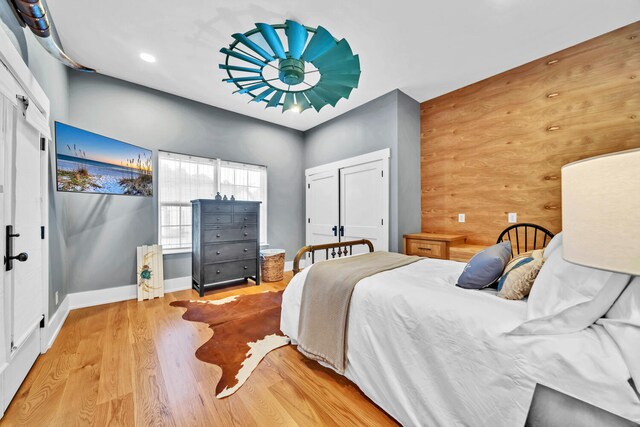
x=486 y=267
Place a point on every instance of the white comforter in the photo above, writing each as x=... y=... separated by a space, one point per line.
x=430 y=353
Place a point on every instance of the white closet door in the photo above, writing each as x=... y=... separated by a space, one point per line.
x=364 y=192
x=27 y=218
x=322 y=209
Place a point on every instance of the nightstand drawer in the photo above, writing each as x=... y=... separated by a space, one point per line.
x=426 y=248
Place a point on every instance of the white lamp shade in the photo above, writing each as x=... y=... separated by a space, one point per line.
x=601 y=212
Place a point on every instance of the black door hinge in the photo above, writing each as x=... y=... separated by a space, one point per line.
x=42 y=232
x=43 y=144
x=382 y=174
x=42 y=322
x=308 y=220
x=382 y=221
x=308 y=185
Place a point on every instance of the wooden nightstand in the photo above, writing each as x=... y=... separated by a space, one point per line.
x=431 y=245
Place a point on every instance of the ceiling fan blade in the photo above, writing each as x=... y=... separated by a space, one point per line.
x=331 y=97
x=253 y=46
x=242 y=79
x=252 y=87
x=338 y=53
x=289 y=101
x=297 y=37
x=346 y=66
x=271 y=37
x=321 y=42
x=349 y=80
x=335 y=89
x=275 y=99
x=263 y=94
x=302 y=101
x=242 y=57
x=317 y=102
x=235 y=68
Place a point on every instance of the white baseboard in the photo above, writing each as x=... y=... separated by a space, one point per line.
x=121 y=293
x=56 y=321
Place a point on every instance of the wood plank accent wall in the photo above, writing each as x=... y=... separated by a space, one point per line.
x=497 y=146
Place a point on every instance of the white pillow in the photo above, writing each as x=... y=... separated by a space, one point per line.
x=622 y=321
x=567 y=298
x=554 y=243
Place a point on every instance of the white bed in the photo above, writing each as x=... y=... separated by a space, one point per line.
x=430 y=353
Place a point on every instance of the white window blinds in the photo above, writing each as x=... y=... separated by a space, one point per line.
x=183 y=178
x=246 y=182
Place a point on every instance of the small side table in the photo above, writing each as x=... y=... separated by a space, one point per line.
x=431 y=245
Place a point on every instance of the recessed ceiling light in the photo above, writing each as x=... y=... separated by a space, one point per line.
x=147 y=57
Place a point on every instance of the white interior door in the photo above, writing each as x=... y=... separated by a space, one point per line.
x=24 y=287
x=364 y=205
x=322 y=209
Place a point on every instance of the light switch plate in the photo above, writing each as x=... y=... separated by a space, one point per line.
x=512 y=217
x=461 y=218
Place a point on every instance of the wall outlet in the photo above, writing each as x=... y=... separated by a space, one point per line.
x=461 y=218
x=56 y=296
x=512 y=217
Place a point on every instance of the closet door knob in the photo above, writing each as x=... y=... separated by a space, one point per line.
x=217 y=235
x=245 y=234
x=217 y=271
x=217 y=252
x=246 y=250
x=246 y=268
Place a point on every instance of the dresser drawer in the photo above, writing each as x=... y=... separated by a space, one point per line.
x=217 y=208
x=242 y=218
x=230 y=251
x=215 y=218
x=229 y=271
x=426 y=248
x=244 y=208
x=215 y=234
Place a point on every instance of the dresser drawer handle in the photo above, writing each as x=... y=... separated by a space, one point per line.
x=217 y=235
x=246 y=250
x=217 y=252
x=217 y=271
x=245 y=218
x=218 y=219
x=246 y=234
x=246 y=268
x=425 y=249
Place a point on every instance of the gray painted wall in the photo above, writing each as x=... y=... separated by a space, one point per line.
x=103 y=231
x=390 y=121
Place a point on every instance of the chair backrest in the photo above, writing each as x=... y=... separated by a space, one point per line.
x=526 y=237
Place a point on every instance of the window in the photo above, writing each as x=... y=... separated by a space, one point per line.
x=183 y=178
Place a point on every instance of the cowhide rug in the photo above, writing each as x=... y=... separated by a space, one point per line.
x=245 y=328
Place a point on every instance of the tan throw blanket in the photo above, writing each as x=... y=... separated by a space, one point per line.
x=322 y=331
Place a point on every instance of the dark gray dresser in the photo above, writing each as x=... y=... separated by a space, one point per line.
x=226 y=242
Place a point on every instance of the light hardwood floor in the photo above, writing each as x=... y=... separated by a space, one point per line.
x=132 y=363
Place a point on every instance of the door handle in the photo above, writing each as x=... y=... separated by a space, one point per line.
x=9 y=257
x=342 y=231
x=335 y=230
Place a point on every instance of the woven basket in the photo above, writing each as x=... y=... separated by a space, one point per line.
x=272 y=268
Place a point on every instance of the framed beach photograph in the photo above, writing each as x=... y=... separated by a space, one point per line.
x=90 y=163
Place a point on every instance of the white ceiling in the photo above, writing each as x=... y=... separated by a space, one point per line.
x=423 y=47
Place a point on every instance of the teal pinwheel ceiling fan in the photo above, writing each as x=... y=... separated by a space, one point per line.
x=312 y=69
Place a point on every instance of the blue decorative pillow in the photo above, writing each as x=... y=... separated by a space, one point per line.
x=485 y=267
